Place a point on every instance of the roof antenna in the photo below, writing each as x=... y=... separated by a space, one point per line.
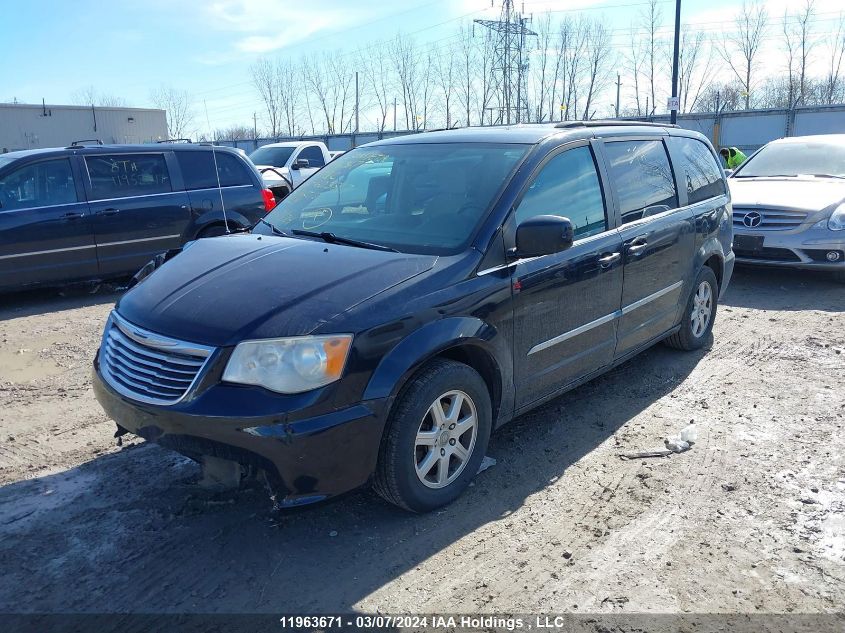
x=220 y=189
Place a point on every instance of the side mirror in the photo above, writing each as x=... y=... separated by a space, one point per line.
x=544 y=235
x=301 y=163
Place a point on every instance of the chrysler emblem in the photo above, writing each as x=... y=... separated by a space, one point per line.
x=752 y=219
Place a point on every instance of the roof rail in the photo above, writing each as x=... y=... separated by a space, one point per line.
x=84 y=142
x=610 y=123
x=176 y=140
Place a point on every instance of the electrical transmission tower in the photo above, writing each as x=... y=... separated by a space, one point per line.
x=510 y=62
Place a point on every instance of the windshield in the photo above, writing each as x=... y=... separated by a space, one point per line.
x=417 y=198
x=5 y=160
x=275 y=156
x=795 y=158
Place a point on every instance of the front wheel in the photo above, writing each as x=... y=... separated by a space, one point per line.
x=699 y=313
x=436 y=437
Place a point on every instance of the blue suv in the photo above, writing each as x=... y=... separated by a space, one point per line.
x=102 y=211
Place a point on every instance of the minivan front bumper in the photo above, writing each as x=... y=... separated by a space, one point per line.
x=311 y=458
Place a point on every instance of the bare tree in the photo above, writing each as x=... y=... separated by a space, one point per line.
x=652 y=20
x=797 y=37
x=741 y=48
x=377 y=76
x=233 y=133
x=634 y=60
x=695 y=61
x=467 y=63
x=833 y=76
x=544 y=78
x=88 y=96
x=177 y=104
x=598 y=53
x=446 y=71
x=287 y=77
x=402 y=53
x=265 y=78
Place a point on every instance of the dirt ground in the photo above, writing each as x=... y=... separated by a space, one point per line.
x=751 y=520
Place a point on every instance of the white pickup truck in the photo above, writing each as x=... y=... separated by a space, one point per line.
x=284 y=166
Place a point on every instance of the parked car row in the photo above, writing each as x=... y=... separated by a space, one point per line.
x=414 y=295
x=103 y=211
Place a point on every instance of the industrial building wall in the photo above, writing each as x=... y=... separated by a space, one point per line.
x=26 y=126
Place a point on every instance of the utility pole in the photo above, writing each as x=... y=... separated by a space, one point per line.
x=674 y=101
x=394 y=114
x=254 y=127
x=618 y=86
x=356 y=102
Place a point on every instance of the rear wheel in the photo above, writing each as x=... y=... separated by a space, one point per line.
x=436 y=437
x=699 y=313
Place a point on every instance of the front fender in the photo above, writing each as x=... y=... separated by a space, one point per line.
x=423 y=344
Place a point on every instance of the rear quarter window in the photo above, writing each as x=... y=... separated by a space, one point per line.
x=698 y=170
x=125 y=175
x=198 y=169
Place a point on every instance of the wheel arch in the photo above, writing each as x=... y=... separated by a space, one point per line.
x=465 y=340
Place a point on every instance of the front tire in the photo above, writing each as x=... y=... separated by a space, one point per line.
x=699 y=313
x=436 y=437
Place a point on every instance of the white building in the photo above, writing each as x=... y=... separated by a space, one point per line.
x=28 y=126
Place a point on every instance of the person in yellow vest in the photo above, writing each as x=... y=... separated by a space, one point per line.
x=733 y=157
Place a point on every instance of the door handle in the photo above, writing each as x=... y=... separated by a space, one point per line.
x=637 y=245
x=606 y=261
x=74 y=215
x=110 y=211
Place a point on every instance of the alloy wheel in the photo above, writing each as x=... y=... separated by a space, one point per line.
x=445 y=439
x=702 y=309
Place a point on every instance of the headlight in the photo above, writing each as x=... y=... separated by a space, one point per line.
x=289 y=365
x=837 y=219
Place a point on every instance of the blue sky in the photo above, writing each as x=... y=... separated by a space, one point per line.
x=128 y=47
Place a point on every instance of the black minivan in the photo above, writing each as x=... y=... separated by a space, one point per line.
x=414 y=295
x=102 y=211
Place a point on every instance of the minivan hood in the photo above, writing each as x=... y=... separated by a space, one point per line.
x=801 y=194
x=220 y=291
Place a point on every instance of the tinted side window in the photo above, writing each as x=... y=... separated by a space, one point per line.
x=43 y=184
x=197 y=169
x=124 y=175
x=314 y=156
x=698 y=169
x=232 y=170
x=643 y=178
x=568 y=186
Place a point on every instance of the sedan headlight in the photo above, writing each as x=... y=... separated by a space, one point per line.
x=289 y=365
x=837 y=219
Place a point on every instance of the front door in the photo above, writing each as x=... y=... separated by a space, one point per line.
x=46 y=232
x=566 y=305
x=658 y=239
x=314 y=155
x=137 y=214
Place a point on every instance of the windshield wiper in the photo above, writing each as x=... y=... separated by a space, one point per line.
x=331 y=238
x=828 y=176
x=274 y=228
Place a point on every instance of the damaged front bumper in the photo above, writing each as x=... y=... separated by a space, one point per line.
x=309 y=458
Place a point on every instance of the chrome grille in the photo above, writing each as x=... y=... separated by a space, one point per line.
x=149 y=367
x=771 y=219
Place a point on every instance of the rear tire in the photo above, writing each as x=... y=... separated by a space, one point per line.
x=436 y=437
x=699 y=313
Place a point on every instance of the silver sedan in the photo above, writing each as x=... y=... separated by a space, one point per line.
x=789 y=205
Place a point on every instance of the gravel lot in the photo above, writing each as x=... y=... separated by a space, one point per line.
x=751 y=520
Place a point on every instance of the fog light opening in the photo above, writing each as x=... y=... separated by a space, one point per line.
x=833 y=256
